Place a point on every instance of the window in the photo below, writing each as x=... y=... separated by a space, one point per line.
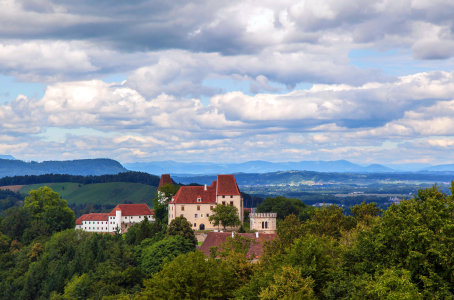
x=211 y=207
x=263 y=225
x=196 y=216
x=199 y=199
x=89 y=228
x=231 y=196
x=223 y=196
x=132 y=217
x=195 y=225
x=98 y=228
x=182 y=208
x=85 y=228
x=198 y=207
x=223 y=202
x=231 y=203
x=201 y=215
x=140 y=217
x=208 y=215
x=266 y=224
x=98 y=222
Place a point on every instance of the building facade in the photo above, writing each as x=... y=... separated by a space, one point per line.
x=122 y=217
x=196 y=203
x=263 y=222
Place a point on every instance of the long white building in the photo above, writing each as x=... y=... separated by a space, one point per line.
x=122 y=216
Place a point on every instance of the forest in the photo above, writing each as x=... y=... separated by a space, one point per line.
x=136 y=177
x=404 y=252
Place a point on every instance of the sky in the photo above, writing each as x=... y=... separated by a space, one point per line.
x=228 y=81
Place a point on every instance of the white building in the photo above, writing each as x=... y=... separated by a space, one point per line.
x=122 y=217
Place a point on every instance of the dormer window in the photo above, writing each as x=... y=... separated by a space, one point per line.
x=199 y=199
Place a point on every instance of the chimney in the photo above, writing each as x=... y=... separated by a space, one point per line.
x=205 y=187
x=257 y=235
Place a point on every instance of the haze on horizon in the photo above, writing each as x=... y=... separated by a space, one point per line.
x=228 y=81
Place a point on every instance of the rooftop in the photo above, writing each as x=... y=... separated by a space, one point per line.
x=215 y=239
x=92 y=217
x=132 y=210
x=165 y=179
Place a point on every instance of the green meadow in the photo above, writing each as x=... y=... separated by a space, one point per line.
x=99 y=193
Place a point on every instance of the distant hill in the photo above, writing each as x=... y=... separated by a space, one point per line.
x=84 y=167
x=7 y=157
x=258 y=166
x=441 y=168
x=310 y=177
x=99 y=193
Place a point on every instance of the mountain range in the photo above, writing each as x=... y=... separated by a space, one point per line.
x=258 y=166
x=101 y=166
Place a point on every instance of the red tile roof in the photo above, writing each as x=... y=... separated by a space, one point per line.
x=165 y=179
x=189 y=194
x=227 y=185
x=132 y=210
x=215 y=239
x=245 y=209
x=92 y=217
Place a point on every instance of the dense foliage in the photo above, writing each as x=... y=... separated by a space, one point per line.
x=136 y=177
x=404 y=252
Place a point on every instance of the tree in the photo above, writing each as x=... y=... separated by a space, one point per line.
x=330 y=221
x=289 y=285
x=154 y=256
x=59 y=218
x=161 y=201
x=42 y=199
x=365 y=212
x=225 y=215
x=282 y=206
x=17 y=220
x=192 y=276
x=144 y=230
x=416 y=235
x=180 y=226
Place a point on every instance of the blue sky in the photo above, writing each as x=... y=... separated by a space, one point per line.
x=228 y=81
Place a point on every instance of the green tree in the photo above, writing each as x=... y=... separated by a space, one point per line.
x=43 y=199
x=416 y=235
x=289 y=284
x=161 y=201
x=225 y=215
x=154 y=256
x=365 y=212
x=59 y=218
x=330 y=221
x=192 y=276
x=282 y=206
x=180 y=226
x=17 y=220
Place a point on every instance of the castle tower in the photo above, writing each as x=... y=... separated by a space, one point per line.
x=263 y=222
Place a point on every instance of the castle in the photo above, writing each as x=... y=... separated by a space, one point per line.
x=196 y=203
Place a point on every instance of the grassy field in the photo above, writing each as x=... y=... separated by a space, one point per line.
x=99 y=193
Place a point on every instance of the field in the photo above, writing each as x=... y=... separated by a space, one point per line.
x=99 y=193
x=13 y=188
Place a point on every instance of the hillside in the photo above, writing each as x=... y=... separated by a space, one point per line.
x=84 y=167
x=309 y=177
x=99 y=193
x=257 y=166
